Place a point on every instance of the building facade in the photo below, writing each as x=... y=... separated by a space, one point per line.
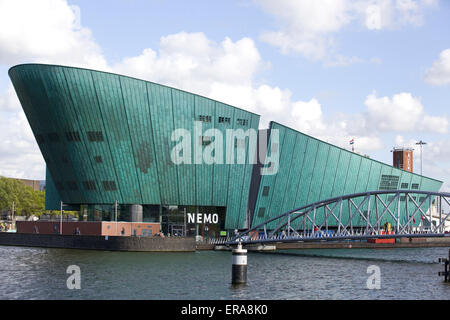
x=111 y=145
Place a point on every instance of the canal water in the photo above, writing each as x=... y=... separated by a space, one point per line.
x=39 y=273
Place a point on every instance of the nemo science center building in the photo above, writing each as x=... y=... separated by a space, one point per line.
x=123 y=149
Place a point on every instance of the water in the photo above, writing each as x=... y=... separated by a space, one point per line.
x=39 y=273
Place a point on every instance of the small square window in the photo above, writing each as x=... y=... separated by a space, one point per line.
x=205 y=140
x=98 y=159
x=261 y=212
x=265 y=192
x=95 y=136
x=109 y=185
x=89 y=185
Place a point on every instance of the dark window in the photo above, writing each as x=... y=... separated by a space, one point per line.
x=98 y=159
x=405 y=185
x=89 y=185
x=224 y=120
x=261 y=212
x=109 y=185
x=265 y=191
x=415 y=186
x=73 y=136
x=402 y=198
x=204 y=118
x=95 y=136
x=72 y=185
x=53 y=137
x=421 y=199
x=205 y=140
x=242 y=122
x=388 y=182
x=40 y=138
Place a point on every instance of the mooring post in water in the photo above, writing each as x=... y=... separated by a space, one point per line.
x=446 y=273
x=239 y=268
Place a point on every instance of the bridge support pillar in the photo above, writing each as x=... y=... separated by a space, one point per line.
x=446 y=263
x=239 y=267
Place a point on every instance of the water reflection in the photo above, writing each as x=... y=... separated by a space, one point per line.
x=35 y=273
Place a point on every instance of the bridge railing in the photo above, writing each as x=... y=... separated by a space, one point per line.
x=356 y=215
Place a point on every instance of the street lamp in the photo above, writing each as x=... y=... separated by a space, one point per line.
x=421 y=143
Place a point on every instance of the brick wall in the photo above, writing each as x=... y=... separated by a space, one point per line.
x=100 y=228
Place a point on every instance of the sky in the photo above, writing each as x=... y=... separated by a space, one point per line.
x=376 y=71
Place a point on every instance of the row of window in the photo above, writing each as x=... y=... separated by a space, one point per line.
x=265 y=191
x=224 y=120
x=242 y=122
x=206 y=118
x=71 y=136
x=414 y=186
x=97 y=136
x=87 y=185
x=388 y=182
x=403 y=198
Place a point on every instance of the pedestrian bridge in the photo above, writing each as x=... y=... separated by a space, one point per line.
x=359 y=216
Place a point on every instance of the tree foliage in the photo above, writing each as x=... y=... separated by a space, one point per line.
x=27 y=201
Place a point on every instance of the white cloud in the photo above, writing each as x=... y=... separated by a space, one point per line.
x=307 y=116
x=9 y=101
x=402 y=113
x=46 y=31
x=342 y=61
x=227 y=72
x=306 y=27
x=378 y=15
x=439 y=73
x=193 y=62
x=20 y=155
x=436 y=155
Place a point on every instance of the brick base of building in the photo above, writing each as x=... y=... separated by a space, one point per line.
x=108 y=243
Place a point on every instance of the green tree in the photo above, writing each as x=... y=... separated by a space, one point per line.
x=27 y=201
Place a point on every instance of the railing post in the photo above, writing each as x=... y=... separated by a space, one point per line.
x=398 y=213
x=313 y=222
x=407 y=213
x=431 y=213
x=289 y=225
x=368 y=216
x=441 y=229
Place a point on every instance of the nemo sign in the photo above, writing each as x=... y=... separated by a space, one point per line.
x=203 y=218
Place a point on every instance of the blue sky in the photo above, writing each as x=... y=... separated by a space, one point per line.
x=375 y=70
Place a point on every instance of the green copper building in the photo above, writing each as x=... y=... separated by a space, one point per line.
x=109 y=138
